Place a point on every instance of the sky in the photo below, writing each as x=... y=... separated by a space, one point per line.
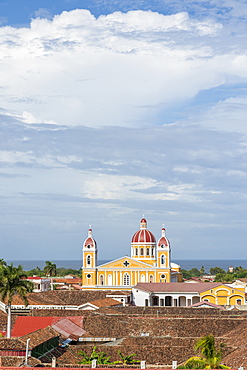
x=111 y=110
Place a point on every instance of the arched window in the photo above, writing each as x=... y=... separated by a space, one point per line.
x=162 y=278
x=151 y=278
x=162 y=259
x=147 y=251
x=101 y=280
x=136 y=251
x=88 y=260
x=141 y=252
x=152 y=252
x=89 y=276
x=126 y=279
x=110 y=279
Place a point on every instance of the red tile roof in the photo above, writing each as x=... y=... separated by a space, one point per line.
x=205 y=303
x=176 y=287
x=107 y=302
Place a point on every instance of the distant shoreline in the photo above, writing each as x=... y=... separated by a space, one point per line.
x=185 y=264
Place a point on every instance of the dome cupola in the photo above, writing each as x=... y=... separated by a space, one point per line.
x=143 y=235
x=163 y=242
x=90 y=242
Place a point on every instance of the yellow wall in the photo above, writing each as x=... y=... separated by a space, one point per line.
x=224 y=295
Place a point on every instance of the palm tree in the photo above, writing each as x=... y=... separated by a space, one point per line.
x=208 y=350
x=11 y=284
x=50 y=269
x=210 y=355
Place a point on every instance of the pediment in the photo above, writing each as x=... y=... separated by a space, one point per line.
x=126 y=263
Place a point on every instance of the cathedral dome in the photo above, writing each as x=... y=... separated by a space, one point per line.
x=90 y=242
x=143 y=235
x=163 y=241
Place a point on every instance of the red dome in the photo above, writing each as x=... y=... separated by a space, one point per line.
x=143 y=236
x=162 y=241
x=90 y=241
x=143 y=220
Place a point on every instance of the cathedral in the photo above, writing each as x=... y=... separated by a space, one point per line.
x=149 y=262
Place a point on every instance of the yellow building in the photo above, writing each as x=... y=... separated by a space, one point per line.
x=187 y=294
x=224 y=295
x=149 y=262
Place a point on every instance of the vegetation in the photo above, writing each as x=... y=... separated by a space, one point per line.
x=60 y=271
x=50 y=270
x=103 y=359
x=220 y=274
x=194 y=272
x=11 y=284
x=126 y=360
x=210 y=355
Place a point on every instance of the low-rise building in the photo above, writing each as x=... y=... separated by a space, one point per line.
x=181 y=294
x=41 y=284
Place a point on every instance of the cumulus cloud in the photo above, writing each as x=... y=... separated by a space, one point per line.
x=117 y=69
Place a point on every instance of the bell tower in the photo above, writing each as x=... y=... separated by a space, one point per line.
x=89 y=260
x=163 y=251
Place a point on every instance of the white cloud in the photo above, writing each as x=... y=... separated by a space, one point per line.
x=119 y=69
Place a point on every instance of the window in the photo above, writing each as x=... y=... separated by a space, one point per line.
x=146 y=302
x=101 y=280
x=152 y=251
x=162 y=278
x=136 y=251
x=151 y=278
x=126 y=279
x=141 y=252
x=147 y=251
x=89 y=276
x=155 y=301
x=88 y=246
x=89 y=260
x=162 y=259
x=239 y=301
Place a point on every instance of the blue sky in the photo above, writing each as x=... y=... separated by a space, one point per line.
x=110 y=110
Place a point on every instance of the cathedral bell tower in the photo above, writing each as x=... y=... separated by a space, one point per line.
x=89 y=260
x=163 y=251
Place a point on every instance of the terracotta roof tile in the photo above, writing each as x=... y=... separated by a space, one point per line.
x=107 y=302
x=40 y=336
x=12 y=343
x=176 y=287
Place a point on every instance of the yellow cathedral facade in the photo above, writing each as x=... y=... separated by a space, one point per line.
x=149 y=262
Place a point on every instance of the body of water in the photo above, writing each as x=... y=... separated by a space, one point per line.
x=185 y=264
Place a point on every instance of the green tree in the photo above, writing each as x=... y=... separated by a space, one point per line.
x=216 y=270
x=11 y=284
x=202 y=270
x=224 y=277
x=50 y=269
x=99 y=356
x=210 y=355
x=195 y=272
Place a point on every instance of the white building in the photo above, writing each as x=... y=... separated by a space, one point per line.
x=40 y=284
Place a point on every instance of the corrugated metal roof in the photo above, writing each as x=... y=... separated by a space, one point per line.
x=65 y=326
